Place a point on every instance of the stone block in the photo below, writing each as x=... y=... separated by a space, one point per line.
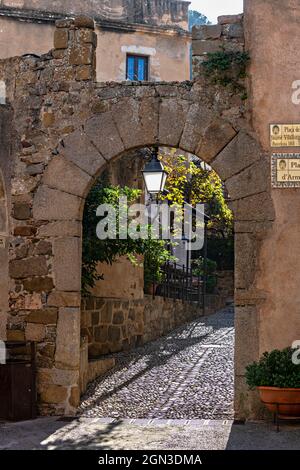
x=67 y=264
x=247 y=403
x=33 y=301
x=230 y=19
x=245 y=266
x=43 y=248
x=255 y=179
x=21 y=269
x=3 y=217
x=38 y=284
x=206 y=47
x=234 y=31
x=217 y=135
x=68 y=228
x=65 y=23
x=106 y=314
x=52 y=204
x=118 y=318
x=63 y=175
x=172 y=118
x=25 y=231
x=87 y=36
x=46 y=350
x=61 y=37
x=67 y=355
x=61 y=377
x=114 y=334
x=74 y=399
x=53 y=394
x=35 y=332
x=246 y=345
x=137 y=121
x=84 y=22
x=15 y=335
x=84 y=72
x=21 y=211
x=95 y=318
x=198 y=119
x=2 y=189
x=48 y=316
x=240 y=153
x=258 y=208
x=204 y=32
x=81 y=54
x=102 y=131
x=48 y=119
x=101 y=334
x=64 y=299
x=77 y=148
x=23 y=185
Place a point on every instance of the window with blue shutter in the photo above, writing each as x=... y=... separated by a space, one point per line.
x=137 y=68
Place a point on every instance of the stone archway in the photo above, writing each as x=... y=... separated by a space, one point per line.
x=68 y=128
x=133 y=123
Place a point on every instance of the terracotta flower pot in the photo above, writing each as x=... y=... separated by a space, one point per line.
x=285 y=401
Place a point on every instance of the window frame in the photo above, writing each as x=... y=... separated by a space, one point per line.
x=146 y=66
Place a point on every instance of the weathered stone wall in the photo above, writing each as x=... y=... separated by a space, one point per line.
x=67 y=128
x=227 y=35
x=119 y=325
x=92 y=369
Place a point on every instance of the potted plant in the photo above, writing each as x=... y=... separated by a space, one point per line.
x=277 y=378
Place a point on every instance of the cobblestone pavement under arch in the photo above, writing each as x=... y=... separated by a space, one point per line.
x=188 y=374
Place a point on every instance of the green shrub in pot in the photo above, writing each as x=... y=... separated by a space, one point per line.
x=274 y=369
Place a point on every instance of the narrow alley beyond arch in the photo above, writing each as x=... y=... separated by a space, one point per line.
x=188 y=374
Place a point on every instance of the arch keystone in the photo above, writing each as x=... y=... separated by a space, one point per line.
x=137 y=121
x=172 y=118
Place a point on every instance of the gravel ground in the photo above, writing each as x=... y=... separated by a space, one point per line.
x=185 y=375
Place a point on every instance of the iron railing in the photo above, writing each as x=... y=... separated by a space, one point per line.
x=180 y=283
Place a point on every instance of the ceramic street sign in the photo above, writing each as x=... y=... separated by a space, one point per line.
x=286 y=170
x=285 y=135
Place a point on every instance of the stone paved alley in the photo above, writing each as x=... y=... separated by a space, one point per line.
x=185 y=375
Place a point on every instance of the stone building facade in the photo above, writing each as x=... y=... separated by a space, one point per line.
x=156 y=30
x=60 y=128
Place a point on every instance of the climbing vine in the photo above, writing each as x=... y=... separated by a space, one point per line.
x=228 y=68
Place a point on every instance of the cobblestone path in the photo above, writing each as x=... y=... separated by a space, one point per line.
x=185 y=375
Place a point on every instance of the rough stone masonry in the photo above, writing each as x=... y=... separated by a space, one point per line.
x=60 y=128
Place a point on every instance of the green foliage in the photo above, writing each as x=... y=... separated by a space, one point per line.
x=227 y=68
x=189 y=182
x=198 y=266
x=275 y=369
x=221 y=250
x=107 y=251
x=155 y=256
x=103 y=251
x=211 y=268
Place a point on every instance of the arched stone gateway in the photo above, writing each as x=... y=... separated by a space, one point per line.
x=67 y=128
